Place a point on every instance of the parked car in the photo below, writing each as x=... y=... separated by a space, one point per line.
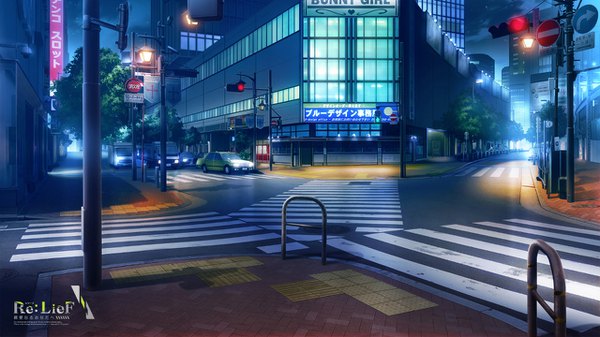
x=227 y=162
x=187 y=159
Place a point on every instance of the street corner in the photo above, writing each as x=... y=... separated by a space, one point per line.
x=258 y=296
x=340 y=172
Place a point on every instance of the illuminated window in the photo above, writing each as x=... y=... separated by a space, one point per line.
x=196 y=41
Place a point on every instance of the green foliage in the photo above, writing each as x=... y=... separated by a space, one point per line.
x=480 y=121
x=175 y=131
x=69 y=94
x=547 y=114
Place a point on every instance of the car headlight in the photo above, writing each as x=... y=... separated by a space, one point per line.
x=176 y=161
x=236 y=164
x=251 y=165
x=185 y=160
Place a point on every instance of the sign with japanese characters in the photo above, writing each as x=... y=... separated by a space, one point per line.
x=57 y=42
x=347 y=112
x=346 y=8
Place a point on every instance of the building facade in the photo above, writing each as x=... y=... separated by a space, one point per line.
x=330 y=74
x=24 y=83
x=450 y=15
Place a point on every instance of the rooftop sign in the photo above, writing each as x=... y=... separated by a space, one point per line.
x=350 y=8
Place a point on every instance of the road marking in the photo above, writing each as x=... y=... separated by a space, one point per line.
x=466 y=171
x=499 y=249
x=208 y=176
x=147 y=224
x=185 y=176
x=481 y=172
x=350 y=209
x=526 y=179
x=578 y=239
x=376 y=229
x=169 y=217
x=514 y=172
x=344 y=221
x=578 y=320
x=498 y=172
x=520 y=274
x=177 y=179
x=147 y=247
x=560 y=228
x=271 y=249
x=125 y=231
x=314 y=213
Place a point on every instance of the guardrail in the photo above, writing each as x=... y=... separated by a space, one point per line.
x=559 y=314
x=323 y=226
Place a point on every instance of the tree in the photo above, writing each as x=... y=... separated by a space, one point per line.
x=175 y=131
x=192 y=137
x=69 y=95
x=546 y=113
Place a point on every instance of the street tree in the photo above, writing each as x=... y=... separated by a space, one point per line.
x=151 y=126
x=192 y=138
x=69 y=95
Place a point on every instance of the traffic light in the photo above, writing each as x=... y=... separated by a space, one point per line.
x=514 y=25
x=377 y=119
x=240 y=86
x=122 y=26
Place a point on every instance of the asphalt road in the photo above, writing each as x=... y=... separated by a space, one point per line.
x=465 y=234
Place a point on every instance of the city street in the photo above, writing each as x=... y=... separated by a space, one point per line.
x=464 y=233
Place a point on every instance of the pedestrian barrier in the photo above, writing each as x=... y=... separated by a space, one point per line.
x=323 y=226
x=559 y=314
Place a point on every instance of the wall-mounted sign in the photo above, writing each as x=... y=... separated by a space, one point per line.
x=350 y=8
x=347 y=112
x=57 y=43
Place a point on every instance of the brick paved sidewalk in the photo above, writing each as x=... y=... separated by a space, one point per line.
x=587 y=194
x=263 y=296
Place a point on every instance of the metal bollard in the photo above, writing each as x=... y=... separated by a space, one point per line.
x=323 y=226
x=559 y=314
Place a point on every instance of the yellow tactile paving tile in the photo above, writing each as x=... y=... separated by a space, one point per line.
x=306 y=290
x=198 y=267
x=379 y=295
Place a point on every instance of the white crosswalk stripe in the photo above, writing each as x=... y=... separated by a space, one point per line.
x=187 y=177
x=348 y=203
x=42 y=241
x=491 y=172
x=488 y=260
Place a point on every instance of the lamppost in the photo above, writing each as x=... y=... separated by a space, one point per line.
x=477 y=81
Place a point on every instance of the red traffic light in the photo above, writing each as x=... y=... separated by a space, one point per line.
x=237 y=87
x=518 y=24
x=241 y=86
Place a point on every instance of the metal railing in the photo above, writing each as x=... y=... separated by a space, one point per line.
x=559 y=314
x=323 y=226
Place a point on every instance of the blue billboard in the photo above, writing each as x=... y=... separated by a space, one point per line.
x=348 y=112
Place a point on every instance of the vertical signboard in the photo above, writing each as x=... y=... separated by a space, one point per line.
x=57 y=42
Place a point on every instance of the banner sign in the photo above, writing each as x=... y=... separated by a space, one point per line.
x=152 y=88
x=56 y=39
x=348 y=112
x=348 y=8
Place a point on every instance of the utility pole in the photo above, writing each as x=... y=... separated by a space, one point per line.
x=570 y=82
x=163 y=111
x=133 y=113
x=91 y=211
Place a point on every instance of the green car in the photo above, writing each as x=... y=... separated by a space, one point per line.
x=227 y=162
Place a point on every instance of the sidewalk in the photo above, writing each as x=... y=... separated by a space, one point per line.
x=62 y=193
x=263 y=296
x=587 y=195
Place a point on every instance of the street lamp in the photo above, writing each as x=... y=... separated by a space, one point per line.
x=527 y=41
x=146 y=54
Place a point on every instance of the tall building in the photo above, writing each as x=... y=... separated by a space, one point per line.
x=330 y=75
x=24 y=84
x=484 y=63
x=450 y=15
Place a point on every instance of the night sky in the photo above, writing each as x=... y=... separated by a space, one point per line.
x=479 y=16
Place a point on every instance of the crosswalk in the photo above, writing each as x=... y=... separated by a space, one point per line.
x=488 y=261
x=58 y=240
x=495 y=172
x=186 y=177
x=370 y=206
